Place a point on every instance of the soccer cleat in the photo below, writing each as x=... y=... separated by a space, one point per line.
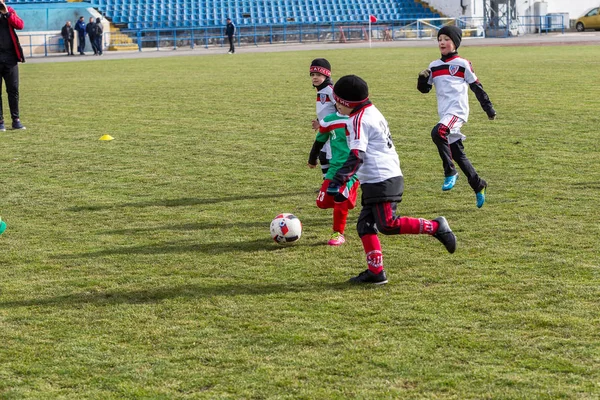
x=445 y=235
x=16 y=124
x=2 y=127
x=2 y=226
x=369 y=277
x=480 y=196
x=449 y=182
x=337 y=239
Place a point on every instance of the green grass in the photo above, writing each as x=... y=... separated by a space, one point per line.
x=143 y=267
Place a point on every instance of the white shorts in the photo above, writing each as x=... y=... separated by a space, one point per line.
x=454 y=124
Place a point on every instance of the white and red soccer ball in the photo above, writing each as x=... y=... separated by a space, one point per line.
x=286 y=228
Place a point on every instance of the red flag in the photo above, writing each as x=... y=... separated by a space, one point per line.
x=372 y=19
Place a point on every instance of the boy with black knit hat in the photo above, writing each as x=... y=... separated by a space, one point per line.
x=374 y=159
x=320 y=76
x=451 y=75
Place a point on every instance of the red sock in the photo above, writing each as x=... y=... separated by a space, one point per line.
x=415 y=226
x=372 y=248
x=340 y=216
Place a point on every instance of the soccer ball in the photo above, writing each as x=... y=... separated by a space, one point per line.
x=286 y=228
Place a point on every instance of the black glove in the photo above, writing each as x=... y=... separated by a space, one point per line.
x=491 y=113
x=333 y=188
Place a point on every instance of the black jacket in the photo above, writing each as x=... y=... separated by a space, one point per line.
x=67 y=32
x=230 y=29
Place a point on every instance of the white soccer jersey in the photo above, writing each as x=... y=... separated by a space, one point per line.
x=325 y=102
x=325 y=106
x=368 y=131
x=451 y=79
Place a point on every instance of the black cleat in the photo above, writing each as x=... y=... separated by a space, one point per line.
x=369 y=277
x=444 y=234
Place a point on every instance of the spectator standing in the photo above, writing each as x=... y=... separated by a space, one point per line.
x=11 y=54
x=68 y=34
x=229 y=32
x=80 y=28
x=98 y=32
x=90 y=29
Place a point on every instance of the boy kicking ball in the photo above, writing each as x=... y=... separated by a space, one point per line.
x=374 y=160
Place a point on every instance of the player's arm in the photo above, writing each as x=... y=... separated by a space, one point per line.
x=423 y=84
x=483 y=99
x=314 y=152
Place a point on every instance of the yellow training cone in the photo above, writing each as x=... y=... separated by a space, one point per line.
x=106 y=137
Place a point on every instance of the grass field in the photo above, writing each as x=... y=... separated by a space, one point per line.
x=143 y=267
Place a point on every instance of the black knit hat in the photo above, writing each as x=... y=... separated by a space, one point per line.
x=453 y=32
x=321 y=66
x=350 y=91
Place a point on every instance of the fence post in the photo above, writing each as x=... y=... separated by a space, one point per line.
x=45 y=45
x=174 y=39
x=139 y=40
x=193 y=43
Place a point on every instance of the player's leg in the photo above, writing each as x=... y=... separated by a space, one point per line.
x=478 y=184
x=389 y=224
x=344 y=201
x=375 y=273
x=439 y=135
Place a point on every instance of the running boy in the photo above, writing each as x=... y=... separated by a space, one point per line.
x=333 y=130
x=451 y=75
x=374 y=159
x=320 y=75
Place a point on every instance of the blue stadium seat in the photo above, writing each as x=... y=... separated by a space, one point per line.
x=200 y=13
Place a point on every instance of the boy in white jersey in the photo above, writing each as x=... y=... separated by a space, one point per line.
x=320 y=76
x=451 y=76
x=374 y=160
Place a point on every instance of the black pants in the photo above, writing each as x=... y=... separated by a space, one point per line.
x=9 y=73
x=81 y=44
x=69 y=45
x=456 y=152
x=99 y=44
x=231 y=47
x=94 y=43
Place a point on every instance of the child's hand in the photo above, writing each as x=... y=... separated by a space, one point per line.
x=315 y=124
x=333 y=188
x=491 y=113
x=425 y=73
x=311 y=165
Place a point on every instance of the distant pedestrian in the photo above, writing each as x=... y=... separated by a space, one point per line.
x=98 y=32
x=68 y=34
x=229 y=32
x=80 y=28
x=90 y=29
x=11 y=54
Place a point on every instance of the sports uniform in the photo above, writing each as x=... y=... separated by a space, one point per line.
x=325 y=104
x=452 y=76
x=332 y=130
x=374 y=160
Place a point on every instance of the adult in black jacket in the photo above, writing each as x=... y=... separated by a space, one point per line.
x=229 y=32
x=11 y=54
x=68 y=35
x=90 y=29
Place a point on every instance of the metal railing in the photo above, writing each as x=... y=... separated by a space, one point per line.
x=343 y=31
